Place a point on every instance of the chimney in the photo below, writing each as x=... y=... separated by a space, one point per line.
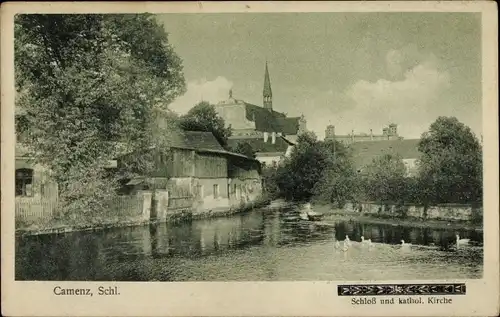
x=273 y=139
x=352 y=136
x=266 y=136
x=371 y=135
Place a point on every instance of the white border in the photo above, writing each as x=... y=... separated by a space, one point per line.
x=245 y=298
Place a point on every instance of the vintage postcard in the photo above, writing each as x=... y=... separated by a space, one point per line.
x=250 y=159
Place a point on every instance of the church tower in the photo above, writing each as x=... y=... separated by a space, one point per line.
x=267 y=93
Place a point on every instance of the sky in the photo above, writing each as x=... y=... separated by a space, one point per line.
x=356 y=71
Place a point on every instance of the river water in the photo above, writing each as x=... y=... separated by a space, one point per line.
x=263 y=245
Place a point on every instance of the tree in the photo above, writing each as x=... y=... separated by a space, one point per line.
x=270 y=187
x=451 y=163
x=244 y=148
x=88 y=83
x=203 y=117
x=339 y=183
x=384 y=180
x=300 y=172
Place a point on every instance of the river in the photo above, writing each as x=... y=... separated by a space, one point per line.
x=262 y=245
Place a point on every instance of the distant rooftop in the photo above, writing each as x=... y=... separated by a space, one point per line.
x=365 y=152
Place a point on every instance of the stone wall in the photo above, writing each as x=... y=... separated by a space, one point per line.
x=452 y=212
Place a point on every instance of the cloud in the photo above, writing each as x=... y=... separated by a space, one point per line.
x=212 y=91
x=413 y=100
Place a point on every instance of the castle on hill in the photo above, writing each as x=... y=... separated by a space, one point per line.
x=270 y=133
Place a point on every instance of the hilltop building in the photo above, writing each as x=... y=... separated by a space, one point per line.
x=269 y=132
x=388 y=133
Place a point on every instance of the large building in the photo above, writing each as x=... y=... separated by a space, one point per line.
x=388 y=133
x=269 y=132
x=365 y=152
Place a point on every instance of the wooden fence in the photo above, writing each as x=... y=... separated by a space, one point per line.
x=127 y=205
x=34 y=209
x=37 y=209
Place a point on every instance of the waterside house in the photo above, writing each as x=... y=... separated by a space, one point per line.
x=195 y=173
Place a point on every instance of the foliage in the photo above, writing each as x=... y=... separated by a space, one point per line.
x=340 y=182
x=244 y=148
x=451 y=163
x=203 y=117
x=450 y=171
x=269 y=174
x=88 y=85
x=384 y=180
x=297 y=177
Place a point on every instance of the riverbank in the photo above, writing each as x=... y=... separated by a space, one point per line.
x=433 y=224
x=409 y=221
x=57 y=226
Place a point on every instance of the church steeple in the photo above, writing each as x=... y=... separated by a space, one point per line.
x=267 y=93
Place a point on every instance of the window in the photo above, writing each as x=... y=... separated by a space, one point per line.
x=24 y=181
x=200 y=191
x=216 y=190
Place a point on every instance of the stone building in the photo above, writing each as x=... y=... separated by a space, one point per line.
x=388 y=133
x=269 y=132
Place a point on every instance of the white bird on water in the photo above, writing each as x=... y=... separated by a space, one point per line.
x=366 y=242
x=461 y=241
x=405 y=245
x=347 y=241
x=345 y=247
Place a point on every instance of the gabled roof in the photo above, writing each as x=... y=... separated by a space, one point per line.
x=197 y=140
x=289 y=126
x=201 y=142
x=271 y=121
x=364 y=152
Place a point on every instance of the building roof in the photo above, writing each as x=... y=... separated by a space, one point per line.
x=258 y=144
x=201 y=142
x=364 y=152
x=196 y=140
x=271 y=121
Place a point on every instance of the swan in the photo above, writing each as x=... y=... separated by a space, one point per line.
x=405 y=245
x=347 y=240
x=462 y=241
x=345 y=247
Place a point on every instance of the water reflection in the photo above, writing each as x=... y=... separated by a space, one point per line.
x=261 y=245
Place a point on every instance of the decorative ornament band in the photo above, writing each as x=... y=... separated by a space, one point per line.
x=401 y=289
